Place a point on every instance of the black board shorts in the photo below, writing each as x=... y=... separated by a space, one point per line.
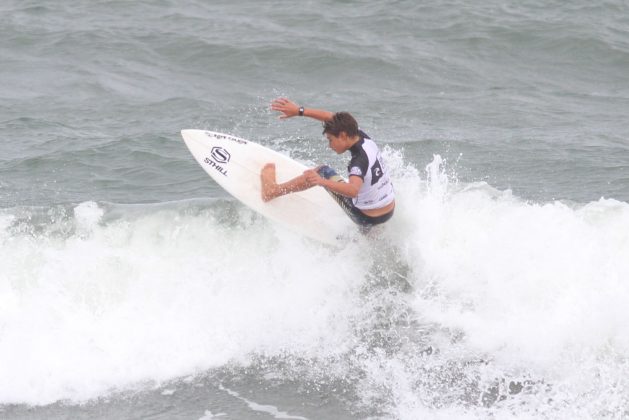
x=347 y=204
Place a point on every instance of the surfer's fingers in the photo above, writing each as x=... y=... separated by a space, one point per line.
x=312 y=176
x=279 y=107
x=283 y=110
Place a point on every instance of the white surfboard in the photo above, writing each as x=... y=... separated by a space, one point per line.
x=235 y=165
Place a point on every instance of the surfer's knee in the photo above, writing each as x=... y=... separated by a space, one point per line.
x=325 y=171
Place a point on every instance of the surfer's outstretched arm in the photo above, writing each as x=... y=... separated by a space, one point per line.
x=290 y=109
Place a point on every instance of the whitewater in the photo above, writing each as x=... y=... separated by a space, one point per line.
x=471 y=303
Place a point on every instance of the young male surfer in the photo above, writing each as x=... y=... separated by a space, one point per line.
x=367 y=197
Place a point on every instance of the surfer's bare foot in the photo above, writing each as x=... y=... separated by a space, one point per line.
x=269 y=188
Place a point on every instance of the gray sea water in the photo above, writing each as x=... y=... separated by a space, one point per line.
x=132 y=286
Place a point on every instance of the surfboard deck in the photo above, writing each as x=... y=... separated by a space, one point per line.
x=235 y=164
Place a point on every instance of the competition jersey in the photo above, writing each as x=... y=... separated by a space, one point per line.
x=366 y=162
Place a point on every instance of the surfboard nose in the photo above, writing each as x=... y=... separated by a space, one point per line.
x=187 y=133
x=190 y=135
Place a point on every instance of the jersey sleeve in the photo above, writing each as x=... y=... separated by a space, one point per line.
x=358 y=166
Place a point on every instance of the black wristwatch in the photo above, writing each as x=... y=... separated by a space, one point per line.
x=301 y=111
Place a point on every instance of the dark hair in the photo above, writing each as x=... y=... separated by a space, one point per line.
x=341 y=121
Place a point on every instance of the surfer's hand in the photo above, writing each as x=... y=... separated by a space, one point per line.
x=287 y=107
x=313 y=177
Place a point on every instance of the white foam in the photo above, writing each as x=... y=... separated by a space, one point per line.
x=209 y=415
x=156 y=297
x=87 y=215
x=262 y=408
x=537 y=291
x=525 y=281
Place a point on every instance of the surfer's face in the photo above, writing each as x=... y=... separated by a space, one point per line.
x=337 y=143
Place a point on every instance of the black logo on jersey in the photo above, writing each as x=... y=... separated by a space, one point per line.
x=220 y=155
x=376 y=172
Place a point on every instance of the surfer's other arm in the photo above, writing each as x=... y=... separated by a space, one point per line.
x=348 y=189
x=290 y=109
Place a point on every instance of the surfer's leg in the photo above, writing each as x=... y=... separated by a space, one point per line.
x=364 y=221
x=271 y=189
x=345 y=202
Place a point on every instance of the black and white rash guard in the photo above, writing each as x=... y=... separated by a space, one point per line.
x=377 y=189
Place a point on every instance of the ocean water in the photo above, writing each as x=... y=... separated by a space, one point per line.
x=132 y=286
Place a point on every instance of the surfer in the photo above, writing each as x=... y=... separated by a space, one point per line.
x=367 y=197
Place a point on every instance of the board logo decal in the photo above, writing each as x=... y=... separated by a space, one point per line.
x=220 y=155
x=225 y=137
x=216 y=166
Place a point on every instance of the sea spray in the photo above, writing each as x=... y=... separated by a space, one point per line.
x=531 y=295
x=159 y=294
x=470 y=302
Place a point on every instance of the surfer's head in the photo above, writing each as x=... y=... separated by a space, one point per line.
x=341 y=131
x=341 y=122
